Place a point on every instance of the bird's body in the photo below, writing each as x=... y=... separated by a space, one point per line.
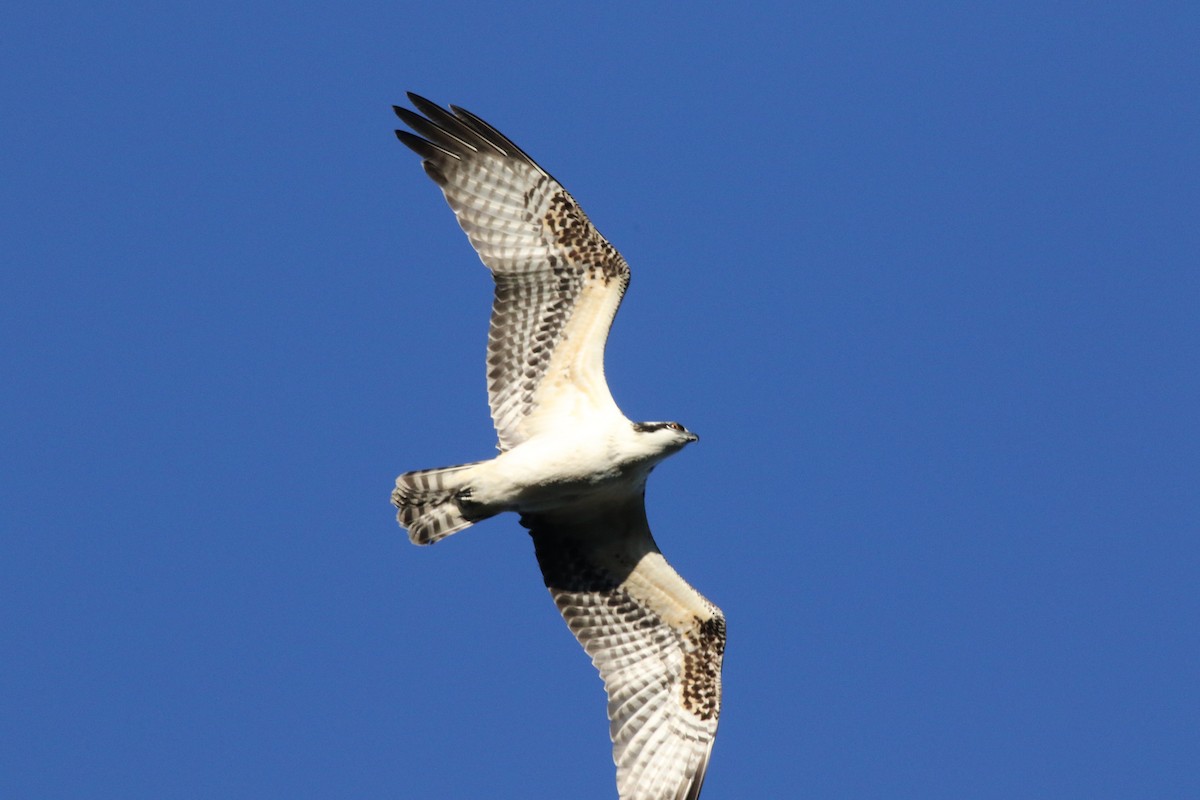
x=570 y=463
x=563 y=468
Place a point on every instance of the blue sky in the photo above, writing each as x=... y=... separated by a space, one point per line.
x=924 y=277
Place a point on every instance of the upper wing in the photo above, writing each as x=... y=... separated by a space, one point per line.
x=657 y=643
x=558 y=281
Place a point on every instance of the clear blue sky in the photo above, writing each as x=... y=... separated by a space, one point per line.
x=925 y=278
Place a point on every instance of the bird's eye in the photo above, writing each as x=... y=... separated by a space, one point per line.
x=675 y=426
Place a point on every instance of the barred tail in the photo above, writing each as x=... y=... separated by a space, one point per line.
x=428 y=500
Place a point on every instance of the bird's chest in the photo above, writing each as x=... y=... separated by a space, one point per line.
x=550 y=472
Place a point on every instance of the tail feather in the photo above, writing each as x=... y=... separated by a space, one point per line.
x=428 y=502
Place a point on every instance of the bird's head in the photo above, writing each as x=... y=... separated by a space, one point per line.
x=665 y=437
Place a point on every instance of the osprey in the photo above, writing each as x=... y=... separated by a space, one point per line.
x=571 y=464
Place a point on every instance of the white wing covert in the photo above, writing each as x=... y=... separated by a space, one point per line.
x=558 y=281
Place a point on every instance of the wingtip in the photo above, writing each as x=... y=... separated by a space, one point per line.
x=427 y=106
x=419 y=102
x=430 y=152
x=411 y=118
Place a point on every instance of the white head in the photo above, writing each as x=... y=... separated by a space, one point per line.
x=664 y=438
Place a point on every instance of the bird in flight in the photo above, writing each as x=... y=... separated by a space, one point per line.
x=570 y=463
